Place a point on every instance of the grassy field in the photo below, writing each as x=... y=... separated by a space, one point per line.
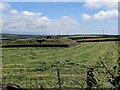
x=32 y=67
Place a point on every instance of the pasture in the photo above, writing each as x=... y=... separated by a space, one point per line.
x=35 y=66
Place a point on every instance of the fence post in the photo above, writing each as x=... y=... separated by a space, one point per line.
x=91 y=81
x=59 y=79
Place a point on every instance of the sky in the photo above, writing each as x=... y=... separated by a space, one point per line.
x=58 y=18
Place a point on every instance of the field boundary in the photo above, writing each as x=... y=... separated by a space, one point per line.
x=35 y=45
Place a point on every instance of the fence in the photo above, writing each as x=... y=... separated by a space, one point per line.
x=53 y=78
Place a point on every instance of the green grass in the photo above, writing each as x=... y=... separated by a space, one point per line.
x=45 y=60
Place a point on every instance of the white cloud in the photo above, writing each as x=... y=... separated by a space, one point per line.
x=108 y=9
x=37 y=24
x=27 y=22
x=44 y=18
x=13 y=11
x=5 y=6
x=101 y=15
x=101 y=0
x=86 y=17
x=106 y=4
x=30 y=13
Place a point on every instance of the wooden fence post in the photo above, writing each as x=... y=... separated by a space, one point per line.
x=59 y=79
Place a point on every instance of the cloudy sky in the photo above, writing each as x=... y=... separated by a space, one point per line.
x=88 y=17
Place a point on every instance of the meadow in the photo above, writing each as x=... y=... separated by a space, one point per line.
x=35 y=66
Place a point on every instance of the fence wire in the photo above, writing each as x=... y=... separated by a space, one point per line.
x=69 y=78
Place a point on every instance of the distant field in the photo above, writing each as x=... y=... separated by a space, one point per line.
x=36 y=66
x=38 y=42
